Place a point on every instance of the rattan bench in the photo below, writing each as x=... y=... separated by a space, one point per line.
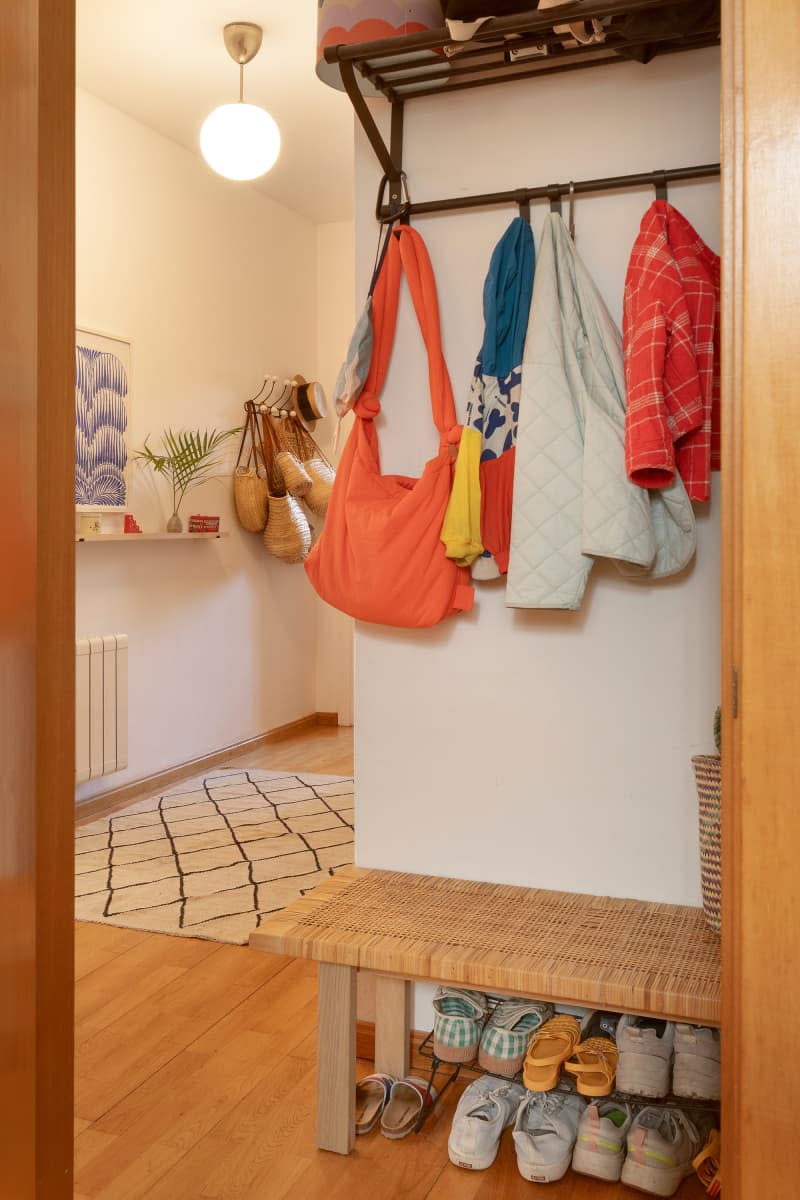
x=593 y=951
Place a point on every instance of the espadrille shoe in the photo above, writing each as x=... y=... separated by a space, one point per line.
x=372 y=1095
x=548 y=1048
x=407 y=1100
x=507 y=1033
x=459 y=1018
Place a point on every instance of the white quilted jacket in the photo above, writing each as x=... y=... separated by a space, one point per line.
x=572 y=499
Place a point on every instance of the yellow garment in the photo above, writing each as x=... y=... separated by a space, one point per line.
x=461 y=531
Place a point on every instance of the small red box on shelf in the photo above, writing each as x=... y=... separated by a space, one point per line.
x=199 y=524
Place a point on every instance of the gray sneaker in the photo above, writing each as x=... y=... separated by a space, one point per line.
x=645 y=1047
x=696 y=1073
x=486 y=1108
x=600 y=1148
x=544 y=1134
x=661 y=1145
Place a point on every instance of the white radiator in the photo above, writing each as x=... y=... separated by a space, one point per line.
x=101 y=706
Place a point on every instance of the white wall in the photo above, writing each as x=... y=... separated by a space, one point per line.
x=215 y=285
x=545 y=749
x=335 y=319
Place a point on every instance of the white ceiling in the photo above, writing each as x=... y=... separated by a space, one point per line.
x=164 y=63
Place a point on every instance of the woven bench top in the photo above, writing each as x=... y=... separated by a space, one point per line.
x=594 y=951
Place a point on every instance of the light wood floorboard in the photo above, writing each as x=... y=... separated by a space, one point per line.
x=196 y=1072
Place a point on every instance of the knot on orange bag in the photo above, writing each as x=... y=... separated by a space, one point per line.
x=367 y=406
x=452 y=439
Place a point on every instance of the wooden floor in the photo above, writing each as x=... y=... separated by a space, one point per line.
x=196 y=1073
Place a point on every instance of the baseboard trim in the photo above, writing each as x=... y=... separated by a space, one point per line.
x=282 y=733
x=108 y=802
x=365 y=1046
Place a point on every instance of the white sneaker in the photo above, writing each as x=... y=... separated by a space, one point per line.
x=696 y=1073
x=645 y=1048
x=544 y=1134
x=600 y=1148
x=486 y=1108
x=661 y=1145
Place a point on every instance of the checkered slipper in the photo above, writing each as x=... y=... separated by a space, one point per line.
x=460 y=1016
x=372 y=1096
x=507 y=1033
x=408 y=1098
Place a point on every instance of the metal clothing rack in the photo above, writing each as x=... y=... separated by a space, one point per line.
x=523 y=46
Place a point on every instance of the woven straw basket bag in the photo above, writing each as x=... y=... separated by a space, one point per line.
x=318 y=468
x=708 y=777
x=287 y=535
x=295 y=476
x=250 y=492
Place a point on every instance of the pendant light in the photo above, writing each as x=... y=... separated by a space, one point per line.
x=240 y=141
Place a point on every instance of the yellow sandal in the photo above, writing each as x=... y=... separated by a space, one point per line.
x=594 y=1065
x=549 y=1046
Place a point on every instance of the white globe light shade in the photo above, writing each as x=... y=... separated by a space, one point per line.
x=240 y=141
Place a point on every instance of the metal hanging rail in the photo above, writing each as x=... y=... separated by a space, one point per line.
x=554 y=191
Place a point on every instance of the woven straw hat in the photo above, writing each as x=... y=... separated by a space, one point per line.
x=308 y=399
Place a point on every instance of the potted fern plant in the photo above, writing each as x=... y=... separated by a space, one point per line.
x=187 y=458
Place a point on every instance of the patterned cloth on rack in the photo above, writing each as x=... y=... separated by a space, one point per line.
x=671 y=338
x=493 y=407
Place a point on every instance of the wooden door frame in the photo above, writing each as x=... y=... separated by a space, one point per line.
x=761 y=583
x=761 y=587
x=37 y=596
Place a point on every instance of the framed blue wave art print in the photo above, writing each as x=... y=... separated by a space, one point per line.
x=102 y=419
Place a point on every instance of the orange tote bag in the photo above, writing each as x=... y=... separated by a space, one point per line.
x=380 y=557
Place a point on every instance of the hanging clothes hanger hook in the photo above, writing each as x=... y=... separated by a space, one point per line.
x=253 y=399
x=523 y=201
x=399 y=200
x=660 y=184
x=279 y=408
x=572 y=210
x=554 y=196
x=275 y=407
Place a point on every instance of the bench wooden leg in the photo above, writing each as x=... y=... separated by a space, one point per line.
x=392 y=1022
x=336 y=1058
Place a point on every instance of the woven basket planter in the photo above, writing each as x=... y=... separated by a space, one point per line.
x=708 y=777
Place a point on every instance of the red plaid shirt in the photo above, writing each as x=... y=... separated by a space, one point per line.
x=671 y=337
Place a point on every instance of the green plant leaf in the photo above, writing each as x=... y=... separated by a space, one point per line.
x=190 y=457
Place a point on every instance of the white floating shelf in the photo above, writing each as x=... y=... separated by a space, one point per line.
x=148 y=537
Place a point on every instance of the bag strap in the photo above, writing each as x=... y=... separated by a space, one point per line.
x=246 y=428
x=407 y=252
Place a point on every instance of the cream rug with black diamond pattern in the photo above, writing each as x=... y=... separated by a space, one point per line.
x=215 y=855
